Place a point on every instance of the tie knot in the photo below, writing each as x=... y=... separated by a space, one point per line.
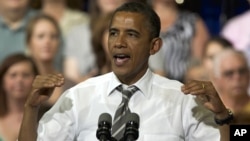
x=127 y=92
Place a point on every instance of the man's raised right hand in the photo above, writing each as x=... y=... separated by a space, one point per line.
x=42 y=88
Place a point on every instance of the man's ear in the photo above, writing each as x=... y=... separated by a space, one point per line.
x=156 y=44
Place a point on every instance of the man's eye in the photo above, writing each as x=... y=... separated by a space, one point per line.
x=132 y=35
x=112 y=33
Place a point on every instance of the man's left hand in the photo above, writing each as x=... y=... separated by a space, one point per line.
x=207 y=94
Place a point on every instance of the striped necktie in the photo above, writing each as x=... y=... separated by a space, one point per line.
x=122 y=111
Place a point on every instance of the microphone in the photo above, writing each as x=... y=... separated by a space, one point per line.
x=103 y=132
x=131 y=130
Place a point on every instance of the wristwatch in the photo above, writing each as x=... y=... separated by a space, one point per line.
x=227 y=120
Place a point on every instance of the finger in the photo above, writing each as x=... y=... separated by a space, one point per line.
x=194 y=88
x=57 y=79
x=196 y=92
x=60 y=79
x=192 y=83
x=189 y=84
x=45 y=81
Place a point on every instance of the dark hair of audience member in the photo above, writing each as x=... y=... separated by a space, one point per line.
x=32 y=23
x=97 y=41
x=220 y=40
x=6 y=64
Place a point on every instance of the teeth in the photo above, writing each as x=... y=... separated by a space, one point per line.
x=121 y=56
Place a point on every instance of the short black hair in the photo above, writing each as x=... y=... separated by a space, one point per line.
x=153 y=20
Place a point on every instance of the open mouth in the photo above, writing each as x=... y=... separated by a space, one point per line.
x=121 y=59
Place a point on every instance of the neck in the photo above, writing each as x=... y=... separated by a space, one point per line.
x=54 y=8
x=236 y=102
x=45 y=67
x=12 y=17
x=15 y=106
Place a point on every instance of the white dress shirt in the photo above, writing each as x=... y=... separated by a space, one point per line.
x=166 y=114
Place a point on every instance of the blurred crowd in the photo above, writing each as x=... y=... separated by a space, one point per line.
x=57 y=36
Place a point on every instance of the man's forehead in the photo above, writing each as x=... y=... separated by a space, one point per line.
x=126 y=15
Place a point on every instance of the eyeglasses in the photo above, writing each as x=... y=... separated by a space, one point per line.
x=230 y=73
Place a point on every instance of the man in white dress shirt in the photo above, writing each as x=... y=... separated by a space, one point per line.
x=166 y=110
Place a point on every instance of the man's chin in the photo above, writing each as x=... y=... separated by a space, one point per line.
x=120 y=72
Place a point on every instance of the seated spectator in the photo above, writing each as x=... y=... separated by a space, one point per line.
x=43 y=42
x=202 y=69
x=14 y=16
x=231 y=78
x=17 y=73
x=213 y=46
x=184 y=35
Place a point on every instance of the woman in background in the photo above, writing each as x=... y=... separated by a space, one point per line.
x=17 y=73
x=43 y=42
x=202 y=69
x=214 y=46
x=99 y=42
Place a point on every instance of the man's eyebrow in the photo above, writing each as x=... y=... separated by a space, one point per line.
x=113 y=29
x=133 y=30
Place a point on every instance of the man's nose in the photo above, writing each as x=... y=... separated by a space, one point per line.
x=120 y=41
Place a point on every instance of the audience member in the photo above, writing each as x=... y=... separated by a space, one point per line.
x=43 y=42
x=78 y=43
x=14 y=15
x=100 y=44
x=133 y=37
x=17 y=73
x=66 y=12
x=231 y=78
x=184 y=35
x=202 y=69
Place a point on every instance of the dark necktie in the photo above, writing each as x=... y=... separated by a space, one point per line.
x=122 y=111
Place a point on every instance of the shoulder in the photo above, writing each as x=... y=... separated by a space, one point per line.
x=166 y=84
x=76 y=14
x=238 y=20
x=188 y=16
x=78 y=30
x=94 y=82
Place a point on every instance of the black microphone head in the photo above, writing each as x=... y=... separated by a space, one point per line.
x=104 y=127
x=105 y=117
x=134 y=118
x=131 y=130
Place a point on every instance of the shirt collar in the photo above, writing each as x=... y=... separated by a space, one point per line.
x=144 y=84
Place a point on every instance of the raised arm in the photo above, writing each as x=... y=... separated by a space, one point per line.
x=208 y=96
x=42 y=89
